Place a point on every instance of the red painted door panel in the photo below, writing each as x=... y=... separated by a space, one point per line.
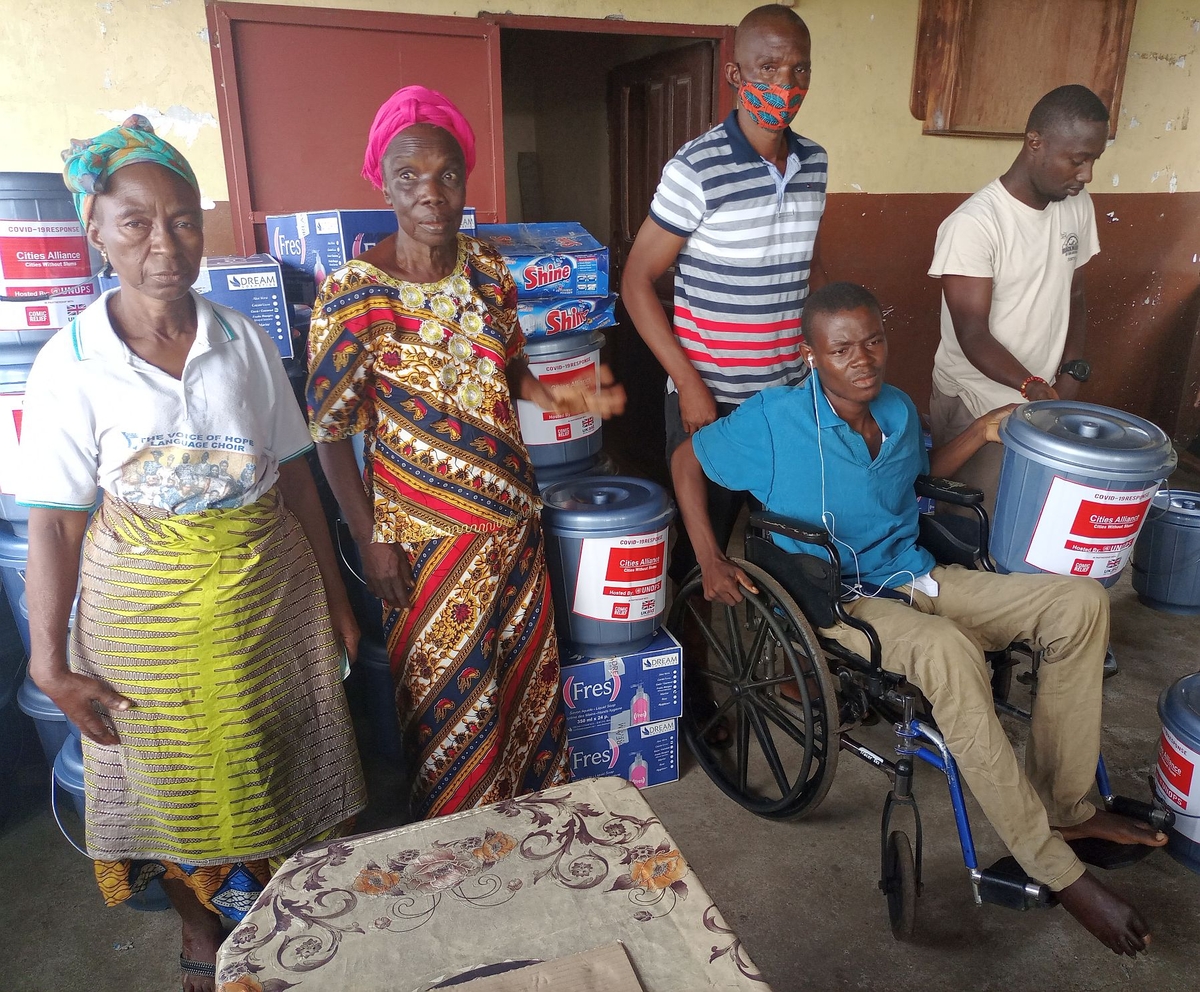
x=298 y=88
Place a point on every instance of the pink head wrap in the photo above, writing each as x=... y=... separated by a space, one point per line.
x=408 y=106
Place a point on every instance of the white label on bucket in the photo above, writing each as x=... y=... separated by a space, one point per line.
x=1087 y=531
x=10 y=439
x=45 y=250
x=540 y=426
x=1177 y=782
x=622 y=579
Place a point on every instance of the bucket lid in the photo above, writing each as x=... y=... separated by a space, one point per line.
x=1090 y=439
x=15 y=362
x=1179 y=710
x=36 y=704
x=605 y=505
x=563 y=346
x=1176 y=506
x=68 y=766
x=37 y=183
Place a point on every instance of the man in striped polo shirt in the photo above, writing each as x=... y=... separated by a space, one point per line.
x=736 y=213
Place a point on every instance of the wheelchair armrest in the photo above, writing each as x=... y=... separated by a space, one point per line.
x=948 y=491
x=797 y=530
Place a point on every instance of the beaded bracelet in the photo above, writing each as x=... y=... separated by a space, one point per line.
x=1032 y=378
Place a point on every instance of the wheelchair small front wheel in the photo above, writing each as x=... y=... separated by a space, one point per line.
x=899 y=884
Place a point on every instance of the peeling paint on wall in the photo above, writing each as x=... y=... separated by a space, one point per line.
x=1116 y=179
x=183 y=122
x=1173 y=185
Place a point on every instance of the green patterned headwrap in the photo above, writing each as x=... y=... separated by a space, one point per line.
x=90 y=163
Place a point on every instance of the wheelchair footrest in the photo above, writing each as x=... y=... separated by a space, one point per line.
x=1006 y=884
x=1108 y=854
x=1135 y=809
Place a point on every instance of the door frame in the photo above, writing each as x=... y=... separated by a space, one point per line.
x=720 y=33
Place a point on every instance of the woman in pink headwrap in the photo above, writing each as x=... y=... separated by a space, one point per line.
x=416 y=343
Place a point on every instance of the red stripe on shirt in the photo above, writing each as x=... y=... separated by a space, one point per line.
x=739 y=326
x=697 y=357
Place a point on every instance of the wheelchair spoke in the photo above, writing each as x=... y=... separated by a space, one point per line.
x=711 y=637
x=767 y=743
x=743 y=750
x=771 y=710
x=767 y=683
x=711 y=676
x=756 y=649
x=736 y=648
x=720 y=710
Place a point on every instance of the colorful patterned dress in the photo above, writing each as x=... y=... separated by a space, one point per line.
x=421 y=369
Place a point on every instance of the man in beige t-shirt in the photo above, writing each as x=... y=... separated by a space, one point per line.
x=1011 y=263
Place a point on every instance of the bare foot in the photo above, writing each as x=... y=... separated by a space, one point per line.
x=1110 y=826
x=201 y=939
x=1105 y=915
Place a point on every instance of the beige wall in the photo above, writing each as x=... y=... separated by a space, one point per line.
x=73 y=66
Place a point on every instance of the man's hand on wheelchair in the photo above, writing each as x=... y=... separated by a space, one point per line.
x=724 y=581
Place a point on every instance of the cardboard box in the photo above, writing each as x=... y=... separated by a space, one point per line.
x=646 y=755
x=252 y=286
x=545 y=318
x=603 y=694
x=550 y=260
x=312 y=244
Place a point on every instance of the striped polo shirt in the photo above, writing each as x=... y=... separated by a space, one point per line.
x=742 y=276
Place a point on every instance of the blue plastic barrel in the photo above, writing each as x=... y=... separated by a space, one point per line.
x=14 y=553
x=1177 y=774
x=53 y=727
x=553 y=439
x=606 y=549
x=598 y=464
x=1166 y=558
x=15 y=364
x=1075 y=485
x=68 y=776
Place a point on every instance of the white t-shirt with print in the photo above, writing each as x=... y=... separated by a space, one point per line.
x=98 y=417
x=1031 y=257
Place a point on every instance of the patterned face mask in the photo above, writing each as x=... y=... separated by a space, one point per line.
x=770 y=105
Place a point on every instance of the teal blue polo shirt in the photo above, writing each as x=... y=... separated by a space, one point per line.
x=774 y=446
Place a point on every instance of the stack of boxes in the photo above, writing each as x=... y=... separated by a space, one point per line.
x=623 y=712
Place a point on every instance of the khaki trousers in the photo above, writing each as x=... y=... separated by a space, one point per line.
x=948 y=418
x=938 y=643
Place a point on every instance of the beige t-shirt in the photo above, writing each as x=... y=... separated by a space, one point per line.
x=1030 y=256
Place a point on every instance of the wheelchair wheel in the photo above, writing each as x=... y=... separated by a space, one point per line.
x=764 y=677
x=900 y=884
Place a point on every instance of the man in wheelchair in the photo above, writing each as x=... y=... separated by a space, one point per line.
x=845 y=449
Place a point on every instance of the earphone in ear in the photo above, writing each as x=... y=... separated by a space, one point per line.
x=810 y=363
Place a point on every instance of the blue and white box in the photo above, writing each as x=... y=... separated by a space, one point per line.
x=546 y=318
x=312 y=244
x=250 y=285
x=550 y=260
x=646 y=755
x=602 y=694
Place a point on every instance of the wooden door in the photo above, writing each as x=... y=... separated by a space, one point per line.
x=655 y=105
x=298 y=88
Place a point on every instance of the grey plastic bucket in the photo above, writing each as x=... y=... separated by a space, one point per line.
x=53 y=727
x=606 y=543
x=15 y=364
x=14 y=553
x=551 y=439
x=1177 y=773
x=37 y=214
x=1166 y=558
x=1075 y=485
x=68 y=776
x=598 y=464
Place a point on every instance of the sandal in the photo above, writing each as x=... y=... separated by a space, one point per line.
x=201 y=969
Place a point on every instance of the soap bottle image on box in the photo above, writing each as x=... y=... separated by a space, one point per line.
x=639 y=772
x=640 y=707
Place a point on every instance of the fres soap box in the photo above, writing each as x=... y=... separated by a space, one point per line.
x=608 y=694
x=250 y=285
x=550 y=260
x=546 y=318
x=312 y=244
x=645 y=755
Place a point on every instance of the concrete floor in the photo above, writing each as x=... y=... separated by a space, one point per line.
x=801 y=895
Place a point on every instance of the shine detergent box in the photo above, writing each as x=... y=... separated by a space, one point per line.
x=546 y=318
x=250 y=285
x=312 y=244
x=550 y=260
x=645 y=755
x=604 y=694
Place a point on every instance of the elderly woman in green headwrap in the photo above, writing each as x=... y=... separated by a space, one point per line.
x=205 y=660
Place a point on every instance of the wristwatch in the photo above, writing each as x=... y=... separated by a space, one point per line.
x=1077 y=369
